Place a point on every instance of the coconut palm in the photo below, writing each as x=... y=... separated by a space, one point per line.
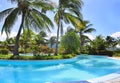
x=67 y=11
x=111 y=42
x=26 y=38
x=31 y=17
x=40 y=38
x=83 y=28
x=52 y=41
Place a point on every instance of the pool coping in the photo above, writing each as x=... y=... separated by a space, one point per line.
x=106 y=78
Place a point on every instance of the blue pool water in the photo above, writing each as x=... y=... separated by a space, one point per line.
x=77 y=69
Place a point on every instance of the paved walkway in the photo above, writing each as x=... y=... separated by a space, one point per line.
x=116 y=80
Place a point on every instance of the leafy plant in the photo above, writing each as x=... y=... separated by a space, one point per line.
x=4 y=51
x=70 y=42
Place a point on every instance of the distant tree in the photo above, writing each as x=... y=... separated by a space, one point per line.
x=82 y=28
x=70 y=42
x=52 y=41
x=40 y=38
x=98 y=45
x=111 y=42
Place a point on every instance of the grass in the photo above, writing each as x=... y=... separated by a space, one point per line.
x=11 y=57
x=5 y=56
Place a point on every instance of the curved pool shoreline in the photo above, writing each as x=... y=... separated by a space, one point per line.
x=38 y=62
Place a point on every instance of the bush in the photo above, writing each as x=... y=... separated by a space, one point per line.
x=36 y=50
x=45 y=49
x=4 y=51
x=70 y=42
x=106 y=52
x=68 y=56
x=61 y=50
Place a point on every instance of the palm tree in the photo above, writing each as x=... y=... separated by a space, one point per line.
x=111 y=42
x=40 y=38
x=83 y=28
x=31 y=17
x=67 y=11
x=26 y=38
x=52 y=41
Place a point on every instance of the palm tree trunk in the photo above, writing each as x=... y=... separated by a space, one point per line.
x=81 y=42
x=18 y=37
x=51 y=45
x=57 y=42
x=56 y=50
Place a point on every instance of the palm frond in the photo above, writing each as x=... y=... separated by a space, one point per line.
x=10 y=21
x=5 y=13
x=39 y=18
x=56 y=18
x=89 y=25
x=47 y=22
x=37 y=22
x=89 y=30
x=43 y=5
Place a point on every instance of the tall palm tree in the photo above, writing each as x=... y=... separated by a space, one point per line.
x=52 y=41
x=67 y=11
x=31 y=17
x=83 y=28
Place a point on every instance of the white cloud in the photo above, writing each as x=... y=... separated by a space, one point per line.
x=3 y=36
x=90 y=36
x=50 y=35
x=115 y=35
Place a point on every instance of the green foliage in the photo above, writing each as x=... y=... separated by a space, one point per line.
x=111 y=42
x=4 y=51
x=70 y=42
x=117 y=53
x=42 y=57
x=98 y=47
x=5 y=56
x=45 y=49
x=36 y=50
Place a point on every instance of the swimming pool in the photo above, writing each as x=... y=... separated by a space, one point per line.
x=76 y=69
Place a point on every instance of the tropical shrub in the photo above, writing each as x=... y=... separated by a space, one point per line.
x=36 y=50
x=61 y=50
x=70 y=42
x=4 y=51
x=45 y=49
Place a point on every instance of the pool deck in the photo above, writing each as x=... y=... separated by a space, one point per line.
x=116 y=80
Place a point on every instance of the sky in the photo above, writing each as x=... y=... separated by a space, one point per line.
x=103 y=14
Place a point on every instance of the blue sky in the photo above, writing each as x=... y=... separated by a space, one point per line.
x=103 y=14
